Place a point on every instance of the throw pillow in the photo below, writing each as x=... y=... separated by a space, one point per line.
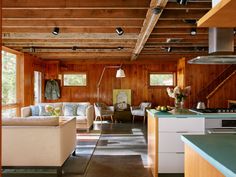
x=70 y=110
x=34 y=110
x=81 y=110
x=42 y=111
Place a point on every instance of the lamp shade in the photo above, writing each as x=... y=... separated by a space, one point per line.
x=120 y=73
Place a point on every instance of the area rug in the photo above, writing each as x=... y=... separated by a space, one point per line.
x=86 y=143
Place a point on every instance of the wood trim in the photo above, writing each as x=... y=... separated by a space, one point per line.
x=196 y=166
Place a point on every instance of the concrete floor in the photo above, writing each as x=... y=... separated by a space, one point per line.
x=121 y=152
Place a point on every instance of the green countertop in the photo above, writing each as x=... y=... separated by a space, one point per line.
x=186 y=113
x=219 y=150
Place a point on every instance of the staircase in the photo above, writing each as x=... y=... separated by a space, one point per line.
x=209 y=89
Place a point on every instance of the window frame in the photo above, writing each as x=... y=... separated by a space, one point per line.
x=75 y=73
x=18 y=75
x=161 y=86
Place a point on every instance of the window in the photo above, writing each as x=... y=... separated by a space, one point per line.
x=161 y=79
x=9 y=84
x=37 y=87
x=75 y=79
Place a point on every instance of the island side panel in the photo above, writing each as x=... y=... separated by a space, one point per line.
x=153 y=144
x=196 y=166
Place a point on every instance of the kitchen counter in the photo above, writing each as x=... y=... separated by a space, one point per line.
x=186 y=113
x=218 y=150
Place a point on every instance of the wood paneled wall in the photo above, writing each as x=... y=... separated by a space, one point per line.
x=136 y=79
x=198 y=77
x=224 y=93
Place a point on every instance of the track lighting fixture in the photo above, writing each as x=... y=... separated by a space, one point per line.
x=157 y=10
x=190 y=21
x=74 y=48
x=56 y=31
x=193 y=32
x=169 y=49
x=119 y=31
x=182 y=2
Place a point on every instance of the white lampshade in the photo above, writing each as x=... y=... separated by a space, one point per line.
x=120 y=73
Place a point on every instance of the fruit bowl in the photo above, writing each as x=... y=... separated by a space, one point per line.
x=163 y=108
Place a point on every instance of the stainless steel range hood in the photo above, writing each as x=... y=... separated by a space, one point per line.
x=221 y=46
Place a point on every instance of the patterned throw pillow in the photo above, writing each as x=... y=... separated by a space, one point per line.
x=70 y=109
x=34 y=110
x=42 y=111
x=81 y=110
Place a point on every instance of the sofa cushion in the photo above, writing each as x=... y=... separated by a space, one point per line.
x=34 y=110
x=31 y=121
x=81 y=109
x=79 y=119
x=42 y=111
x=69 y=109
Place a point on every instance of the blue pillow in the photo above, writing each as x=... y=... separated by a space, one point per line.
x=81 y=110
x=42 y=111
x=70 y=110
x=34 y=110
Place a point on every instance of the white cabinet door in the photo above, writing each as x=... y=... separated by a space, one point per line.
x=171 y=142
x=170 y=163
x=181 y=124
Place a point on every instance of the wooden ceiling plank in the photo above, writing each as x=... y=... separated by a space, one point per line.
x=204 y=5
x=67 y=36
x=73 y=13
x=73 y=3
x=148 y=26
x=72 y=23
x=99 y=29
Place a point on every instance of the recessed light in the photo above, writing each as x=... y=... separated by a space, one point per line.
x=157 y=10
x=56 y=31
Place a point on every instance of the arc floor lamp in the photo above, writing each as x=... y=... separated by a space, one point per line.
x=119 y=74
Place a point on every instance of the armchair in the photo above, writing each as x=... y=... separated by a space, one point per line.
x=102 y=110
x=140 y=110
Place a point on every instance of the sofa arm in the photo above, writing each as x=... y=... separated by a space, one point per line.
x=25 y=111
x=90 y=115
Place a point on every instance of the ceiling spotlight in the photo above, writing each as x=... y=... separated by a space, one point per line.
x=157 y=10
x=32 y=50
x=169 y=49
x=120 y=48
x=119 y=31
x=234 y=31
x=182 y=2
x=193 y=32
x=56 y=31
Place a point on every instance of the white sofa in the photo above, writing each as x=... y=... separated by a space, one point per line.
x=38 y=142
x=82 y=122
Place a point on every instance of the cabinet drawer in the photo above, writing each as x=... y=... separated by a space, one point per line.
x=170 y=163
x=171 y=142
x=181 y=124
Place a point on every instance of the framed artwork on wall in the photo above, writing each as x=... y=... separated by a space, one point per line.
x=122 y=98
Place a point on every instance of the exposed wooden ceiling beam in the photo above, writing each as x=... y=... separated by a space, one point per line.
x=72 y=23
x=67 y=36
x=204 y=5
x=73 y=14
x=73 y=3
x=182 y=14
x=94 y=29
x=178 y=31
x=148 y=26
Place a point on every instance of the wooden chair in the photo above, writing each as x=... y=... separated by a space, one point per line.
x=102 y=110
x=140 y=110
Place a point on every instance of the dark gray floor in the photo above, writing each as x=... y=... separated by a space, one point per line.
x=120 y=152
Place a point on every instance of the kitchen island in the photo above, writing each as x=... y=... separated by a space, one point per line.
x=165 y=148
x=210 y=155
